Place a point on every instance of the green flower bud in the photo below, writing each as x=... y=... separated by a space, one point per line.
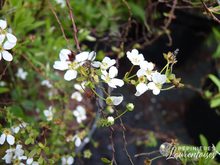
x=130 y=106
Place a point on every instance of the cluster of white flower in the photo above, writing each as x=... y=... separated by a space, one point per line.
x=80 y=113
x=148 y=79
x=21 y=74
x=7 y=42
x=17 y=155
x=67 y=160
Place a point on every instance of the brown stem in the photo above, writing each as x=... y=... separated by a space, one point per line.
x=75 y=31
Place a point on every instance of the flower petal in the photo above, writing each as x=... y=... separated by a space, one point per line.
x=7 y=56
x=113 y=72
x=11 y=38
x=92 y=56
x=70 y=75
x=141 y=88
x=116 y=100
x=78 y=142
x=8 y=45
x=70 y=160
x=10 y=139
x=60 y=65
x=82 y=57
x=116 y=82
x=2 y=37
x=2 y=138
x=3 y=24
x=64 y=54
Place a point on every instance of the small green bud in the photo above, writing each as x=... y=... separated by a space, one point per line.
x=108 y=101
x=111 y=120
x=130 y=106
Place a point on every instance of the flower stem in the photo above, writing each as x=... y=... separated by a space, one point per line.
x=97 y=94
x=168 y=88
x=121 y=114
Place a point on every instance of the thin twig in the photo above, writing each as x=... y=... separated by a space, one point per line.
x=58 y=21
x=210 y=13
x=3 y=73
x=75 y=31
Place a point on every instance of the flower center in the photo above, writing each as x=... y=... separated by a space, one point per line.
x=73 y=65
x=7 y=132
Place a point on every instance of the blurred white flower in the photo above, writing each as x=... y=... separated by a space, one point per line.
x=146 y=69
x=77 y=96
x=80 y=113
x=158 y=80
x=111 y=120
x=21 y=74
x=48 y=113
x=67 y=160
x=14 y=153
x=2 y=83
x=115 y=100
x=135 y=57
x=8 y=137
x=107 y=63
x=80 y=87
x=109 y=77
x=61 y=2
x=77 y=140
x=46 y=83
x=10 y=37
x=30 y=161
x=16 y=129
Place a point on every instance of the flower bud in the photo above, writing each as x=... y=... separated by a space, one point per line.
x=130 y=106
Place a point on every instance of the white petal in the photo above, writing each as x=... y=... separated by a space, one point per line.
x=116 y=100
x=11 y=38
x=10 y=139
x=2 y=138
x=113 y=71
x=156 y=91
x=78 y=142
x=8 y=45
x=3 y=24
x=116 y=82
x=7 y=56
x=70 y=160
x=141 y=72
x=81 y=109
x=70 y=75
x=151 y=85
x=2 y=37
x=60 y=65
x=64 y=54
x=96 y=64
x=82 y=56
x=77 y=96
x=92 y=56
x=159 y=78
x=141 y=88
x=29 y=161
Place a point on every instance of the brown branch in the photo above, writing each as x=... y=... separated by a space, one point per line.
x=210 y=13
x=75 y=31
x=58 y=21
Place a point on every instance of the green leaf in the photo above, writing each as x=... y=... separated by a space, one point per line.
x=203 y=140
x=215 y=101
x=138 y=11
x=28 y=141
x=215 y=80
x=105 y=160
x=3 y=90
x=218 y=146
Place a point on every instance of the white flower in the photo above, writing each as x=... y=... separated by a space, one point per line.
x=48 y=113
x=80 y=113
x=30 y=161
x=77 y=96
x=135 y=57
x=2 y=83
x=146 y=69
x=8 y=156
x=21 y=74
x=115 y=100
x=70 y=66
x=158 y=80
x=111 y=120
x=61 y=2
x=4 y=47
x=140 y=89
x=77 y=140
x=46 y=83
x=67 y=160
x=8 y=137
x=14 y=153
x=10 y=37
x=15 y=129
x=80 y=87
x=110 y=79
x=107 y=63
